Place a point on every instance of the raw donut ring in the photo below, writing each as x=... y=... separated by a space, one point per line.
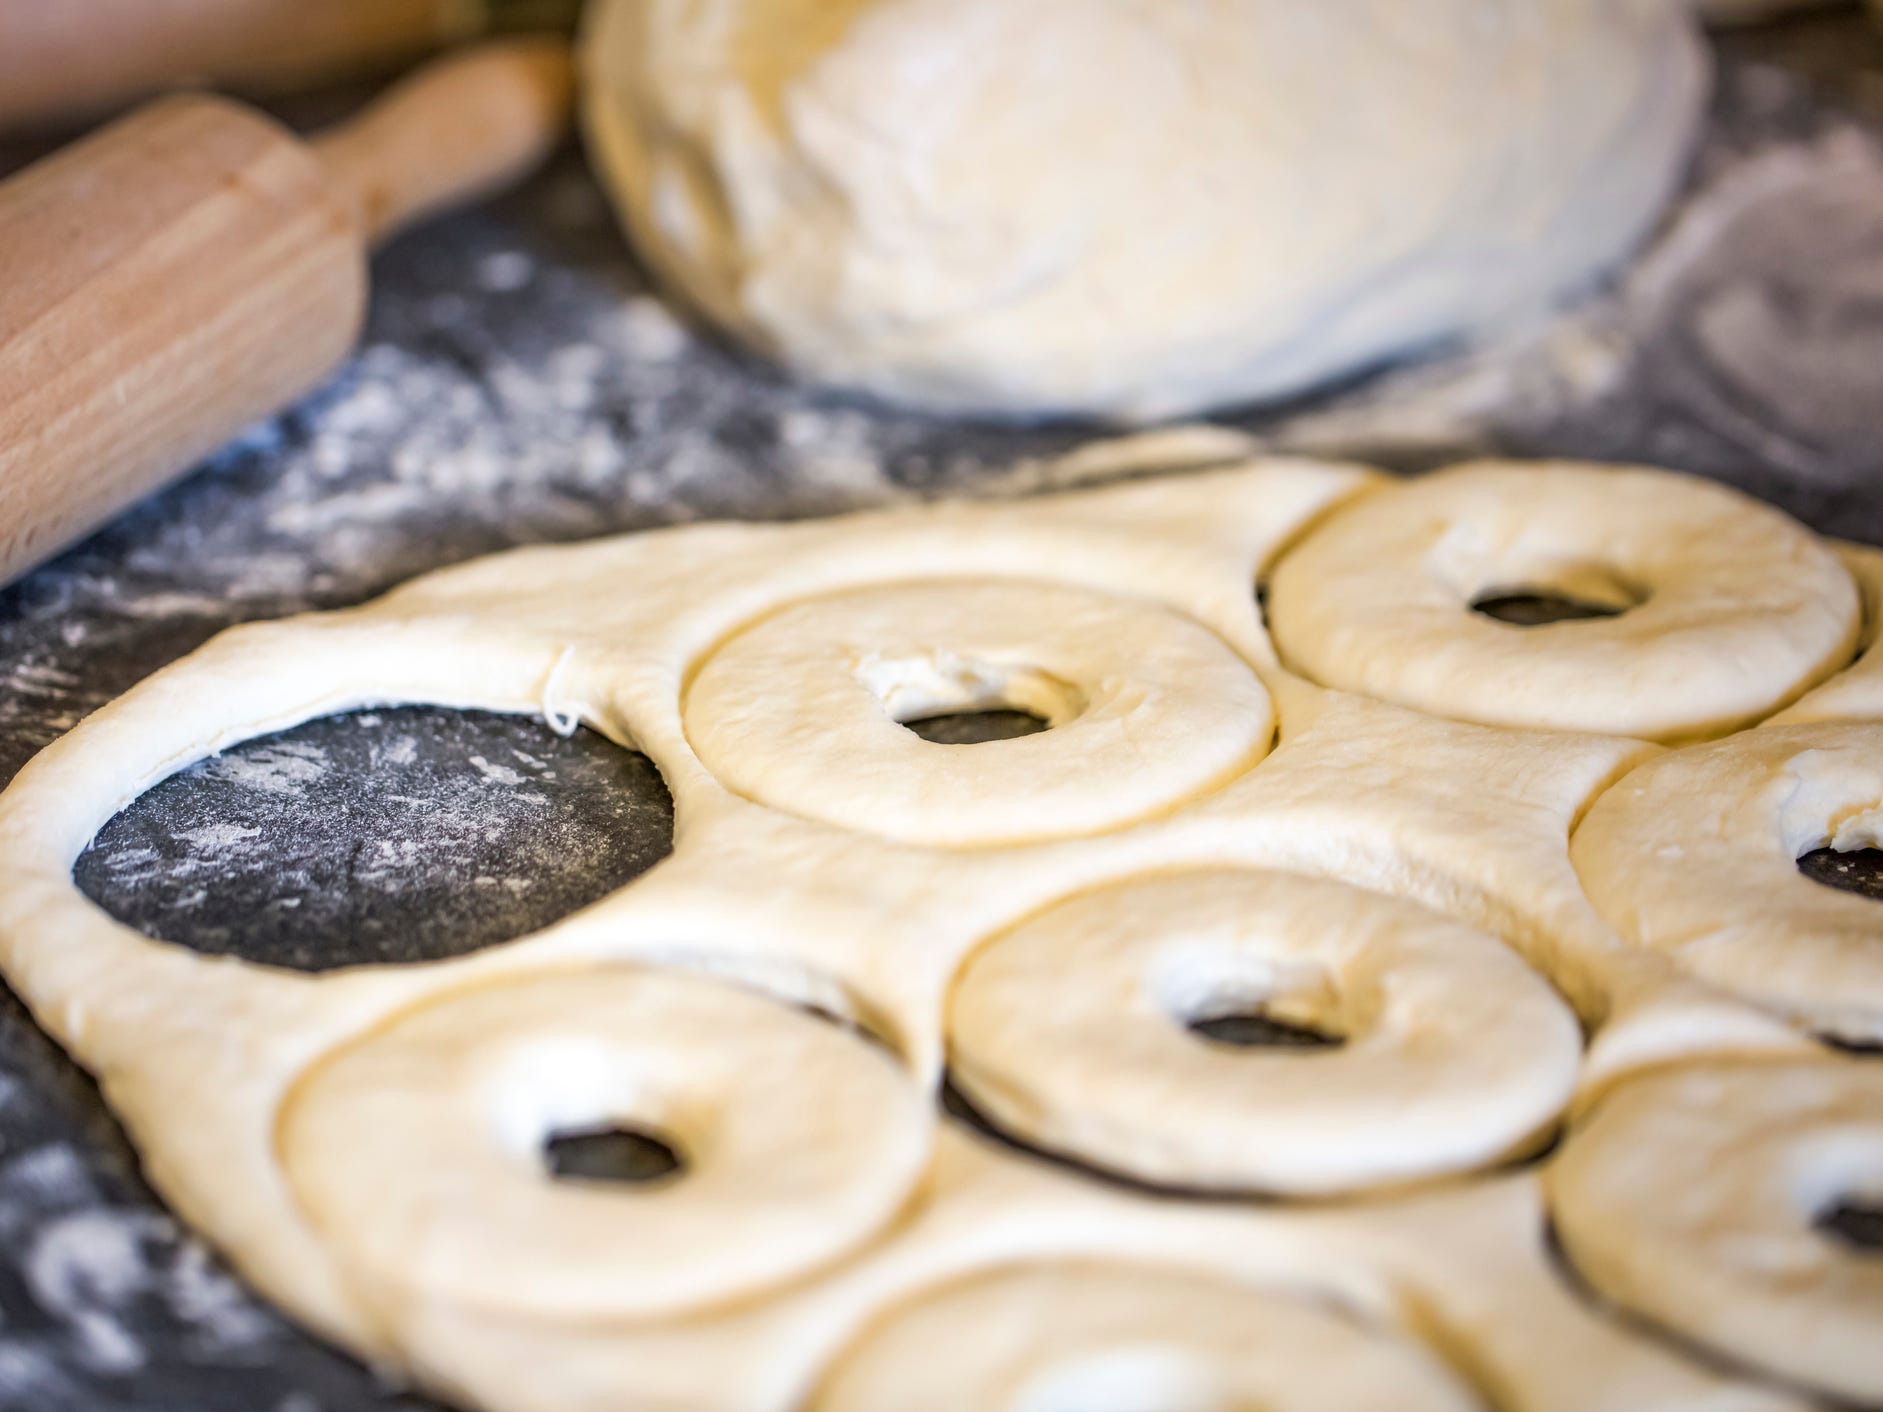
x=1692 y=1197
x=1726 y=608
x=1695 y=853
x=1071 y=1031
x=801 y=711
x=1102 y=1334
x=419 y=1147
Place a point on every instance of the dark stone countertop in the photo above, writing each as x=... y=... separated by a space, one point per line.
x=518 y=384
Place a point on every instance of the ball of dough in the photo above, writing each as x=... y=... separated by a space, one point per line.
x=1126 y=208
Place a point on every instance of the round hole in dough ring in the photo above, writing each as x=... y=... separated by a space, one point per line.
x=1728 y=609
x=420 y=1148
x=1100 y=1334
x=1073 y=1032
x=1146 y=708
x=1695 y=854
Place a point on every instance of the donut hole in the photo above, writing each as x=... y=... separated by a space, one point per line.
x=976 y=727
x=1247 y=1000
x=1855 y=870
x=611 y=1153
x=1536 y=607
x=1251 y=1029
x=1856 y=1222
x=1563 y=592
x=1532 y=587
x=587 y=1109
x=954 y=700
x=380 y=837
x=1858 y=1048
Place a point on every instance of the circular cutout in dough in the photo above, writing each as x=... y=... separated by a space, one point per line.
x=1111 y=1336
x=1072 y=1032
x=391 y=836
x=419 y=1149
x=1701 y=1198
x=1146 y=708
x=1730 y=609
x=1695 y=854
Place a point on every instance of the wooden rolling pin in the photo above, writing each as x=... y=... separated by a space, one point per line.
x=195 y=266
x=66 y=60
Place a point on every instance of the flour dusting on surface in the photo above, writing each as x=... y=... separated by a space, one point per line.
x=519 y=383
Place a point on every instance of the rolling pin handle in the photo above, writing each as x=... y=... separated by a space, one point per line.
x=457 y=130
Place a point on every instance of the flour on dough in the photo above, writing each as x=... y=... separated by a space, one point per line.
x=367 y=1145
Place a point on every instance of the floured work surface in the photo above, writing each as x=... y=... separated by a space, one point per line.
x=506 y=396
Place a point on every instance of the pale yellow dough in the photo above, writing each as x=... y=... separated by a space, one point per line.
x=1731 y=610
x=419 y=1148
x=1695 y=854
x=1130 y=208
x=1070 y=1032
x=297 y=1120
x=1691 y=1198
x=1147 y=708
x=1049 y=1337
x=1856 y=693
